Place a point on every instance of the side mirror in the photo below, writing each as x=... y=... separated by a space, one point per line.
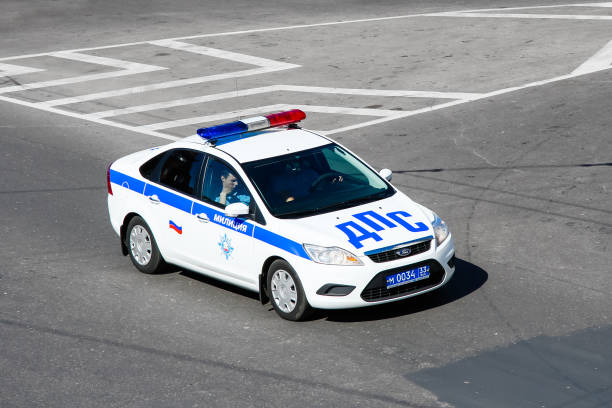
x=386 y=174
x=236 y=210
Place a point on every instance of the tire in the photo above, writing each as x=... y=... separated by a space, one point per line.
x=286 y=292
x=142 y=247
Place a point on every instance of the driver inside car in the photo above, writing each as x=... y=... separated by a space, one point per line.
x=296 y=182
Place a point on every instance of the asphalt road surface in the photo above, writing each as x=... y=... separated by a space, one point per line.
x=498 y=119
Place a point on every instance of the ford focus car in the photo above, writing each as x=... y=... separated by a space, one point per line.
x=279 y=210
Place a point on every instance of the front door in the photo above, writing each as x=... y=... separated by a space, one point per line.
x=222 y=244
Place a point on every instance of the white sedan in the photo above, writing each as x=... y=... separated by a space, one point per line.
x=282 y=211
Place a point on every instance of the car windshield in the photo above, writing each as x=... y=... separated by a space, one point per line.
x=315 y=181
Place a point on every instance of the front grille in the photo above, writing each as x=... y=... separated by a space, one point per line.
x=377 y=288
x=391 y=255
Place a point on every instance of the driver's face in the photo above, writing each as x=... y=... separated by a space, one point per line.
x=229 y=183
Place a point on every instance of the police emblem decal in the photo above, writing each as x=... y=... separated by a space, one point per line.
x=225 y=243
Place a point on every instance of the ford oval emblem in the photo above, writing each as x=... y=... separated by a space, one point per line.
x=403 y=251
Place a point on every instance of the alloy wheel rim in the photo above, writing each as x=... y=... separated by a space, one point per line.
x=284 y=291
x=140 y=245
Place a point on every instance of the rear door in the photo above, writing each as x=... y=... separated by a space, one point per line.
x=174 y=183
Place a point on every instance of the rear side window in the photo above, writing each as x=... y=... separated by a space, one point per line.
x=148 y=169
x=178 y=169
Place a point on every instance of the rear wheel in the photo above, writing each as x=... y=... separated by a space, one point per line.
x=286 y=292
x=142 y=248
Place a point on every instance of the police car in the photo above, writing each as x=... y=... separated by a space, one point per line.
x=279 y=210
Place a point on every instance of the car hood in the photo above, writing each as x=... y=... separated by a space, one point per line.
x=367 y=227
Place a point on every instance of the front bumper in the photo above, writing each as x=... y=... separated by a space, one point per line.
x=369 y=280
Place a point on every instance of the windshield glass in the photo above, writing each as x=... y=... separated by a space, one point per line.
x=317 y=180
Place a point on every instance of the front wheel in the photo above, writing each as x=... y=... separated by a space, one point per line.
x=286 y=292
x=142 y=247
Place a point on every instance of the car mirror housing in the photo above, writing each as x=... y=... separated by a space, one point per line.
x=236 y=210
x=386 y=174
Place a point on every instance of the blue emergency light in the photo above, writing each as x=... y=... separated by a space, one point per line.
x=251 y=124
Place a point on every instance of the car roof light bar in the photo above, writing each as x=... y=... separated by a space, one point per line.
x=251 y=124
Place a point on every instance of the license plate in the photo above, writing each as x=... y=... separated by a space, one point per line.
x=412 y=275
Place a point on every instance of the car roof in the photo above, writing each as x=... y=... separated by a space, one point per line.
x=259 y=145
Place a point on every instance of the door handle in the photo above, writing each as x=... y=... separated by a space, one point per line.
x=154 y=199
x=202 y=217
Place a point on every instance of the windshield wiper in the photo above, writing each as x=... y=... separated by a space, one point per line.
x=356 y=201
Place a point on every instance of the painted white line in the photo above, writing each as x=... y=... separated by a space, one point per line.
x=529 y=16
x=266 y=109
x=381 y=92
x=99 y=121
x=601 y=60
x=277 y=88
x=148 y=130
x=299 y=26
x=49 y=106
x=256 y=30
x=265 y=66
x=397 y=115
x=219 y=116
x=127 y=68
x=109 y=62
x=605 y=4
x=228 y=55
x=181 y=102
x=341 y=110
x=10 y=70
x=157 y=86
x=459 y=102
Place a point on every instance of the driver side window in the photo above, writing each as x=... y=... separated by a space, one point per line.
x=222 y=185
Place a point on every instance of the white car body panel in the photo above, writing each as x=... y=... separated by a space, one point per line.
x=276 y=144
x=203 y=246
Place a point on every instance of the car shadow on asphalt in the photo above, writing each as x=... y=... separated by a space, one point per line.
x=466 y=279
x=214 y=282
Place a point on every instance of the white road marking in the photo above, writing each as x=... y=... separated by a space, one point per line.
x=552 y=6
x=398 y=115
x=341 y=110
x=81 y=116
x=601 y=60
x=211 y=118
x=265 y=66
x=256 y=30
x=109 y=62
x=299 y=26
x=228 y=55
x=154 y=87
x=386 y=115
x=279 y=88
x=267 y=109
x=381 y=92
x=127 y=68
x=528 y=16
x=182 y=102
x=10 y=70
x=608 y=4
x=459 y=102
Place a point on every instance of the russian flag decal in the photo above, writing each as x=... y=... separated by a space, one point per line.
x=179 y=230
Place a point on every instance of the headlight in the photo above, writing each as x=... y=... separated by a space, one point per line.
x=440 y=229
x=331 y=255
